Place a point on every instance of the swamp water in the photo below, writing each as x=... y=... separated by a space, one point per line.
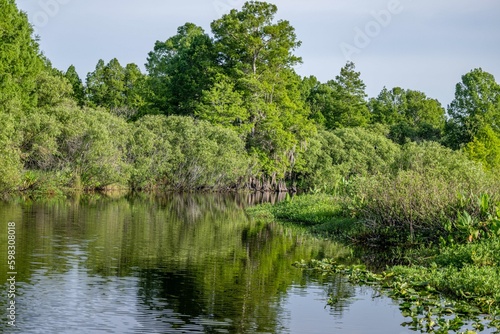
x=179 y=264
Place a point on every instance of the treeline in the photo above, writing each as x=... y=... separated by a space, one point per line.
x=215 y=111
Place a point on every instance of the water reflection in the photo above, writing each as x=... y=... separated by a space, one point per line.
x=172 y=264
x=366 y=312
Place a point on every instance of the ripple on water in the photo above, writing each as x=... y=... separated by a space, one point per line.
x=169 y=277
x=76 y=301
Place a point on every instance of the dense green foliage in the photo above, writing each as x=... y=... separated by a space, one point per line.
x=428 y=188
x=226 y=109
x=180 y=153
x=411 y=115
x=180 y=69
x=20 y=60
x=475 y=118
x=343 y=154
x=10 y=168
x=420 y=193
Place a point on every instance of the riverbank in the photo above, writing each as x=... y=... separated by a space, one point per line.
x=441 y=282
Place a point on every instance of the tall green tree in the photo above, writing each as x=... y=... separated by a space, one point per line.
x=348 y=106
x=96 y=89
x=256 y=51
x=223 y=105
x=340 y=102
x=411 y=115
x=476 y=105
x=485 y=148
x=119 y=89
x=20 y=61
x=134 y=86
x=251 y=41
x=474 y=118
x=389 y=106
x=180 y=69
x=106 y=85
x=317 y=98
x=77 y=84
x=135 y=93
x=321 y=101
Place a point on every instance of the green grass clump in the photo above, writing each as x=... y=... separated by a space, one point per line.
x=321 y=214
x=480 y=254
x=308 y=209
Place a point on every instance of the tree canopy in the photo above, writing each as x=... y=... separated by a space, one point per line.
x=20 y=61
x=217 y=109
x=243 y=78
x=341 y=102
x=180 y=69
x=476 y=104
x=250 y=41
x=474 y=117
x=411 y=115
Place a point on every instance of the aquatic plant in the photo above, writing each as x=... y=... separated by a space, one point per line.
x=427 y=309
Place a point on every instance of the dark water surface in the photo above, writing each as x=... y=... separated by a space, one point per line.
x=179 y=264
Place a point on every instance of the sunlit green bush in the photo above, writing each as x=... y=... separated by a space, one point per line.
x=427 y=189
x=180 y=153
x=92 y=147
x=343 y=154
x=82 y=148
x=10 y=155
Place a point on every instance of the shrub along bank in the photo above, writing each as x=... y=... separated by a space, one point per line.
x=432 y=216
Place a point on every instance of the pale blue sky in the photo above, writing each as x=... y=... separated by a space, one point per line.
x=425 y=45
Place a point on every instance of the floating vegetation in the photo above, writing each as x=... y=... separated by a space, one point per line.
x=427 y=309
